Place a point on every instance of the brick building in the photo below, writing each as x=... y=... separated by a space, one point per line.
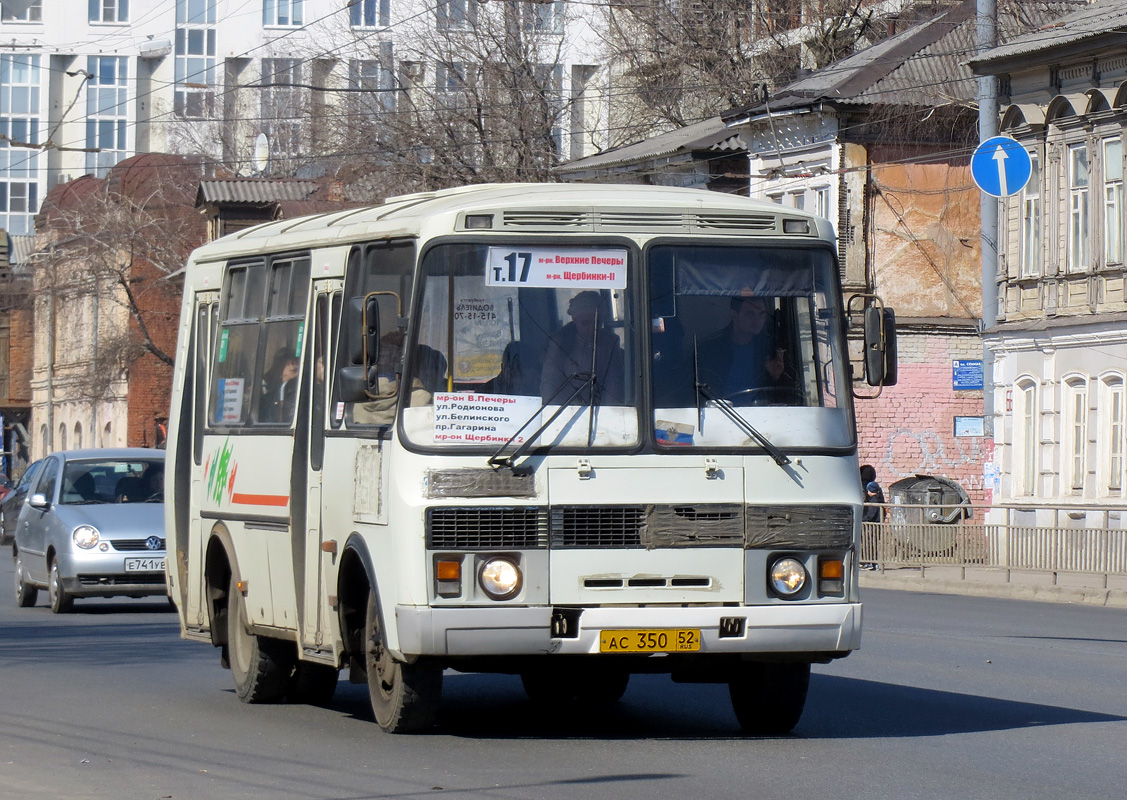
x=107 y=303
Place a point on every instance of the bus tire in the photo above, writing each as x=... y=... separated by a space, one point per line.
x=26 y=594
x=61 y=602
x=768 y=697
x=405 y=697
x=313 y=684
x=260 y=666
x=602 y=687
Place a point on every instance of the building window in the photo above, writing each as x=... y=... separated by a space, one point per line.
x=544 y=17
x=19 y=124
x=78 y=435
x=195 y=59
x=1113 y=201
x=455 y=13
x=797 y=200
x=1078 y=247
x=283 y=13
x=775 y=198
x=109 y=10
x=822 y=201
x=370 y=13
x=1112 y=436
x=1074 y=433
x=62 y=436
x=1031 y=222
x=106 y=112
x=283 y=104
x=376 y=76
x=1025 y=438
x=33 y=13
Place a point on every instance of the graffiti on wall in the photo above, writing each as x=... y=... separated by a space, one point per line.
x=910 y=451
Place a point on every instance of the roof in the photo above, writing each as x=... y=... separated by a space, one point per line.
x=924 y=65
x=524 y=206
x=110 y=452
x=711 y=135
x=22 y=248
x=254 y=190
x=1100 y=22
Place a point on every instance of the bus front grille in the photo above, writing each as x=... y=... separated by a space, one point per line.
x=487 y=528
x=597 y=526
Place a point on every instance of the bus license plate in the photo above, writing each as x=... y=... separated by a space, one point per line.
x=144 y=564
x=656 y=640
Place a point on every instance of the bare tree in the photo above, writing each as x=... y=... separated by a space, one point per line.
x=107 y=250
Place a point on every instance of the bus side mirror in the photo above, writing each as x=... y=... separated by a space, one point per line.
x=880 y=346
x=352 y=384
x=363 y=330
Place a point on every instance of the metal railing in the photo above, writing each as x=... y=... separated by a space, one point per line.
x=1059 y=539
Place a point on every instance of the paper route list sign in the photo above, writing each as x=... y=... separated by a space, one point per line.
x=482 y=418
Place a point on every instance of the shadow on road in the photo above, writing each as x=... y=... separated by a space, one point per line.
x=495 y=707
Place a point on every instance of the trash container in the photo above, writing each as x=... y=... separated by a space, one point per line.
x=924 y=512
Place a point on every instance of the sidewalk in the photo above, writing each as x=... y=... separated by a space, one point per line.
x=993 y=582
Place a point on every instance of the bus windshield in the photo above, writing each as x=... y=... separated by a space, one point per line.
x=512 y=334
x=752 y=328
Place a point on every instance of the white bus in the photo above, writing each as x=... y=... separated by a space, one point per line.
x=566 y=432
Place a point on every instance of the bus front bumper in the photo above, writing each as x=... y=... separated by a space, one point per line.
x=789 y=628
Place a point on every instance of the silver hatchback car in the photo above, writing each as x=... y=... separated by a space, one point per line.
x=92 y=526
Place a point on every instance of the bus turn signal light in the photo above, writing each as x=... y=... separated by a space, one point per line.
x=448 y=570
x=831 y=576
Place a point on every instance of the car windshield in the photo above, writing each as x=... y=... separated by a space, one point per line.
x=113 y=481
x=746 y=336
x=518 y=337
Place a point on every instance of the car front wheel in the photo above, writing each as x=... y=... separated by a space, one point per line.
x=26 y=594
x=61 y=602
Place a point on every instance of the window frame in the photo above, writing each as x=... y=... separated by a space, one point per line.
x=272 y=11
x=1112 y=201
x=32 y=15
x=369 y=13
x=1025 y=435
x=1032 y=222
x=108 y=12
x=1079 y=209
x=1074 y=434
x=1111 y=464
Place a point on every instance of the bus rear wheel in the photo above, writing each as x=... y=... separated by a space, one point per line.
x=260 y=667
x=405 y=697
x=768 y=697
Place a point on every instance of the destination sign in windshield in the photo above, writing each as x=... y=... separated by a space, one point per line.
x=557 y=267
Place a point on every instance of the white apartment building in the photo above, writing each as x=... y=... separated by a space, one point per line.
x=87 y=83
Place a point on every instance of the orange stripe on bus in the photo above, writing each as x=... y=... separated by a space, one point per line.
x=260 y=499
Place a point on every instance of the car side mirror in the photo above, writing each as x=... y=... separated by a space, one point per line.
x=38 y=500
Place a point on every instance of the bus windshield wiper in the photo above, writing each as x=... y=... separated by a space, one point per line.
x=729 y=410
x=496 y=460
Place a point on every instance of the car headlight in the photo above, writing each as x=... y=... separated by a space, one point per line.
x=500 y=578
x=787 y=576
x=85 y=536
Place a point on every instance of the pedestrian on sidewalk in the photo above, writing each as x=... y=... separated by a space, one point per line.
x=874 y=495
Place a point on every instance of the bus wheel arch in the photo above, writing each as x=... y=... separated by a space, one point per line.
x=355 y=579
x=219 y=566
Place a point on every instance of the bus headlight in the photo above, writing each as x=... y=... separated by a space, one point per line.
x=787 y=577
x=500 y=578
x=85 y=536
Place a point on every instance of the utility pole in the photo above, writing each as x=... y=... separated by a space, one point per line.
x=987 y=38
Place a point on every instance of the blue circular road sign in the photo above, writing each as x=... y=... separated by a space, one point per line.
x=1000 y=166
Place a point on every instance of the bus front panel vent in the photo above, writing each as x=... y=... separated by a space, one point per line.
x=482 y=528
x=597 y=526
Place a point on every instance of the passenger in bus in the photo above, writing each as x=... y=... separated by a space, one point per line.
x=280 y=387
x=520 y=371
x=429 y=377
x=568 y=359
x=742 y=356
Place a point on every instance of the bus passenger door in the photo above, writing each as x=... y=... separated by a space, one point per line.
x=206 y=322
x=314 y=633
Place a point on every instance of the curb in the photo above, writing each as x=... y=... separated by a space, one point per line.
x=1109 y=598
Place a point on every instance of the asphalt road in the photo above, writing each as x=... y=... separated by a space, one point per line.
x=951 y=697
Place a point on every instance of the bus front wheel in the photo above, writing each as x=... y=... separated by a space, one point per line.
x=260 y=667
x=768 y=697
x=404 y=697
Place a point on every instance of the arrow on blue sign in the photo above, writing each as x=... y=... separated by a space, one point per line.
x=1000 y=166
